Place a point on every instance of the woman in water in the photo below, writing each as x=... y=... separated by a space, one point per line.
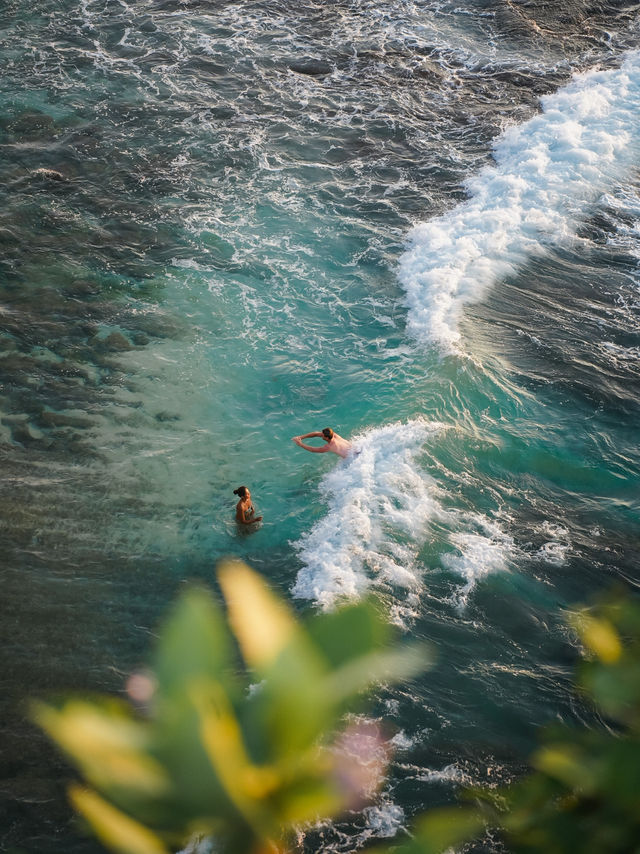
x=245 y=512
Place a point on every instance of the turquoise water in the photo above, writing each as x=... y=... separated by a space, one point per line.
x=223 y=225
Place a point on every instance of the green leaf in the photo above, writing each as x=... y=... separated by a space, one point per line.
x=247 y=785
x=308 y=800
x=620 y=772
x=616 y=688
x=291 y=708
x=176 y=742
x=194 y=643
x=350 y=632
x=443 y=829
x=565 y=762
x=117 y=830
x=394 y=665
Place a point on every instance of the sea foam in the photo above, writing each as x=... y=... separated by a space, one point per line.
x=549 y=171
x=482 y=548
x=381 y=506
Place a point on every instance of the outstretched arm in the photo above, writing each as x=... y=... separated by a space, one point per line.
x=300 y=443
x=311 y=436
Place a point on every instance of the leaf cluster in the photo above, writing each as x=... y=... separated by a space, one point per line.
x=237 y=739
x=233 y=737
x=583 y=793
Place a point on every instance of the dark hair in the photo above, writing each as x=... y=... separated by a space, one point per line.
x=328 y=433
x=241 y=491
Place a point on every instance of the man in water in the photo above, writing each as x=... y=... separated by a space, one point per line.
x=336 y=444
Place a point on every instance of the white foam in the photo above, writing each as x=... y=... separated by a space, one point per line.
x=384 y=821
x=448 y=774
x=548 y=173
x=619 y=354
x=554 y=553
x=555 y=550
x=379 y=506
x=402 y=741
x=199 y=844
x=479 y=553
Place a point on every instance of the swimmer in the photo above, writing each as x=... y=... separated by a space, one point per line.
x=245 y=512
x=336 y=444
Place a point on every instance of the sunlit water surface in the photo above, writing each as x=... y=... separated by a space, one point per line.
x=224 y=224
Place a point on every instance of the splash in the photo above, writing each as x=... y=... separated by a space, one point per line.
x=549 y=171
x=379 y=508
x=480 y=552
x=381 y=504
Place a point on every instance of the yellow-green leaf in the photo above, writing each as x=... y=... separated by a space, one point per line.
x=563 y=763
x=446 y=828
x=114 y=828
x=262 y=623
x=246 y=784
x=310 y=801
x=599 y=636
x=108 y=747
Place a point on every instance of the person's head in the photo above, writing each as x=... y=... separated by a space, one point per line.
x=242 y=491
x=327 y=434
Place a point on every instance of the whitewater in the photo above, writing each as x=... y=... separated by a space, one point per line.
x=549 y=173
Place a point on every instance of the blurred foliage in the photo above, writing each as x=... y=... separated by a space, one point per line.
x=202 y=750
x=206 y=752
x=583 y=794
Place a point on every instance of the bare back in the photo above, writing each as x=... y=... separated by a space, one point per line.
x=339 y=446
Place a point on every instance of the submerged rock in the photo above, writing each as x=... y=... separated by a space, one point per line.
x=7 y=345
x=31 y=125
x=140 y=339
x=49 y=418
x=22 y=430
x=311 y=67
x=161 y=326
x=114 y=342
x=163 y=417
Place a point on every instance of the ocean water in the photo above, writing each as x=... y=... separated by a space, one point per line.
x=227 y=223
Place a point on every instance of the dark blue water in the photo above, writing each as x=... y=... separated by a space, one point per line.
x=225 y=224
